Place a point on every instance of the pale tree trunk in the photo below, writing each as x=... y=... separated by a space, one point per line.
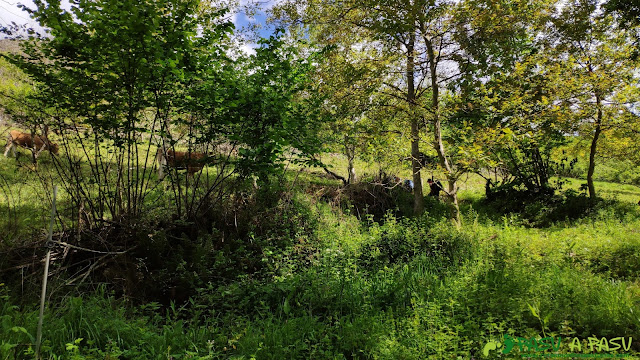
x=352 y=172
x=452 y=193
x=351 y=168
x=34 y=147
x=418 y=197
x=351 y=154
x=592 y=152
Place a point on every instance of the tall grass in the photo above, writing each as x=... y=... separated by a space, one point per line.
x=331 y=286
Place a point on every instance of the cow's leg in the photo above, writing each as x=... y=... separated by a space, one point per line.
x=160 y=172
x=162 y=161
x=38 y=151
x=192 y=170
x=10 y=146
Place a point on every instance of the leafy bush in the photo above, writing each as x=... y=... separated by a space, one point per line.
x=373 y=198
x=543 y=209
x=95 y=327
x=399 y=241
x=620 y=262
x=256 y=233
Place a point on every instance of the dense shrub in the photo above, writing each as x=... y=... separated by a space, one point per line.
x=164 y=258
x=398 y=241
x=372 y=198
x=254 y=234
x=296 y=277
x=545 y=209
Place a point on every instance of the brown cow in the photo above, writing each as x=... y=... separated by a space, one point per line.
x=37 y=144
x=191 y=161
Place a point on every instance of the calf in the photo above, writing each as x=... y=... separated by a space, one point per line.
x=191 y=161
x=37 y=143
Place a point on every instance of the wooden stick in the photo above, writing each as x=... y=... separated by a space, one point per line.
x=46 y=273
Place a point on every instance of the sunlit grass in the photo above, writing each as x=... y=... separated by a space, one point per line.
x=360 y=296
x=607 y=190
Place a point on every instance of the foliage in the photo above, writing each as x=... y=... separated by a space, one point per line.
x=350 y=77
x=277 y=108
x=373 y=293
x=629 y=13
x=162 y=82
x=105 y=81
x=398 y=242
x=591 y=58
x=510 y=128
x=256 y=257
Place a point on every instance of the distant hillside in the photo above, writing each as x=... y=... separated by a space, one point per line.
x=8 y=45
x=8 y=75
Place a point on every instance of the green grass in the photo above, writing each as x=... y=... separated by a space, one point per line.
x=331 y=286
x=357 y=301
x=23 y=198
x=622 y=192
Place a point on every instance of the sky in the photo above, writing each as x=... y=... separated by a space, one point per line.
x=256 y=22
x=10 y=12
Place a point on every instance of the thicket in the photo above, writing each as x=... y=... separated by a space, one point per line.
x=331 y=285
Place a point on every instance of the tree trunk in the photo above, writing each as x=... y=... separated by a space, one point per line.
x=351 y=154
x=452 y=194
x=418 y=197
x=592 y=152
x=352 y=172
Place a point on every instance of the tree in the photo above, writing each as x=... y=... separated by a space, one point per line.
x=509 y=92
x=114 y=72
x=413 y=41
x=595 y=72
x=276 y=107
x=629 y=17
x=349 y=77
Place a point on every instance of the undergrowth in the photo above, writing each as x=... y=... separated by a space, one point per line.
x=317 y=282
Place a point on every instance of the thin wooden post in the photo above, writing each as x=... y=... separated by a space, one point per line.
x=46 y=273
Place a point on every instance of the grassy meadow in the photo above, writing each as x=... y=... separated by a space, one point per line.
x=308 y=276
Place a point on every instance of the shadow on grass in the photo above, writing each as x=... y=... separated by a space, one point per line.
x=542 y=211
